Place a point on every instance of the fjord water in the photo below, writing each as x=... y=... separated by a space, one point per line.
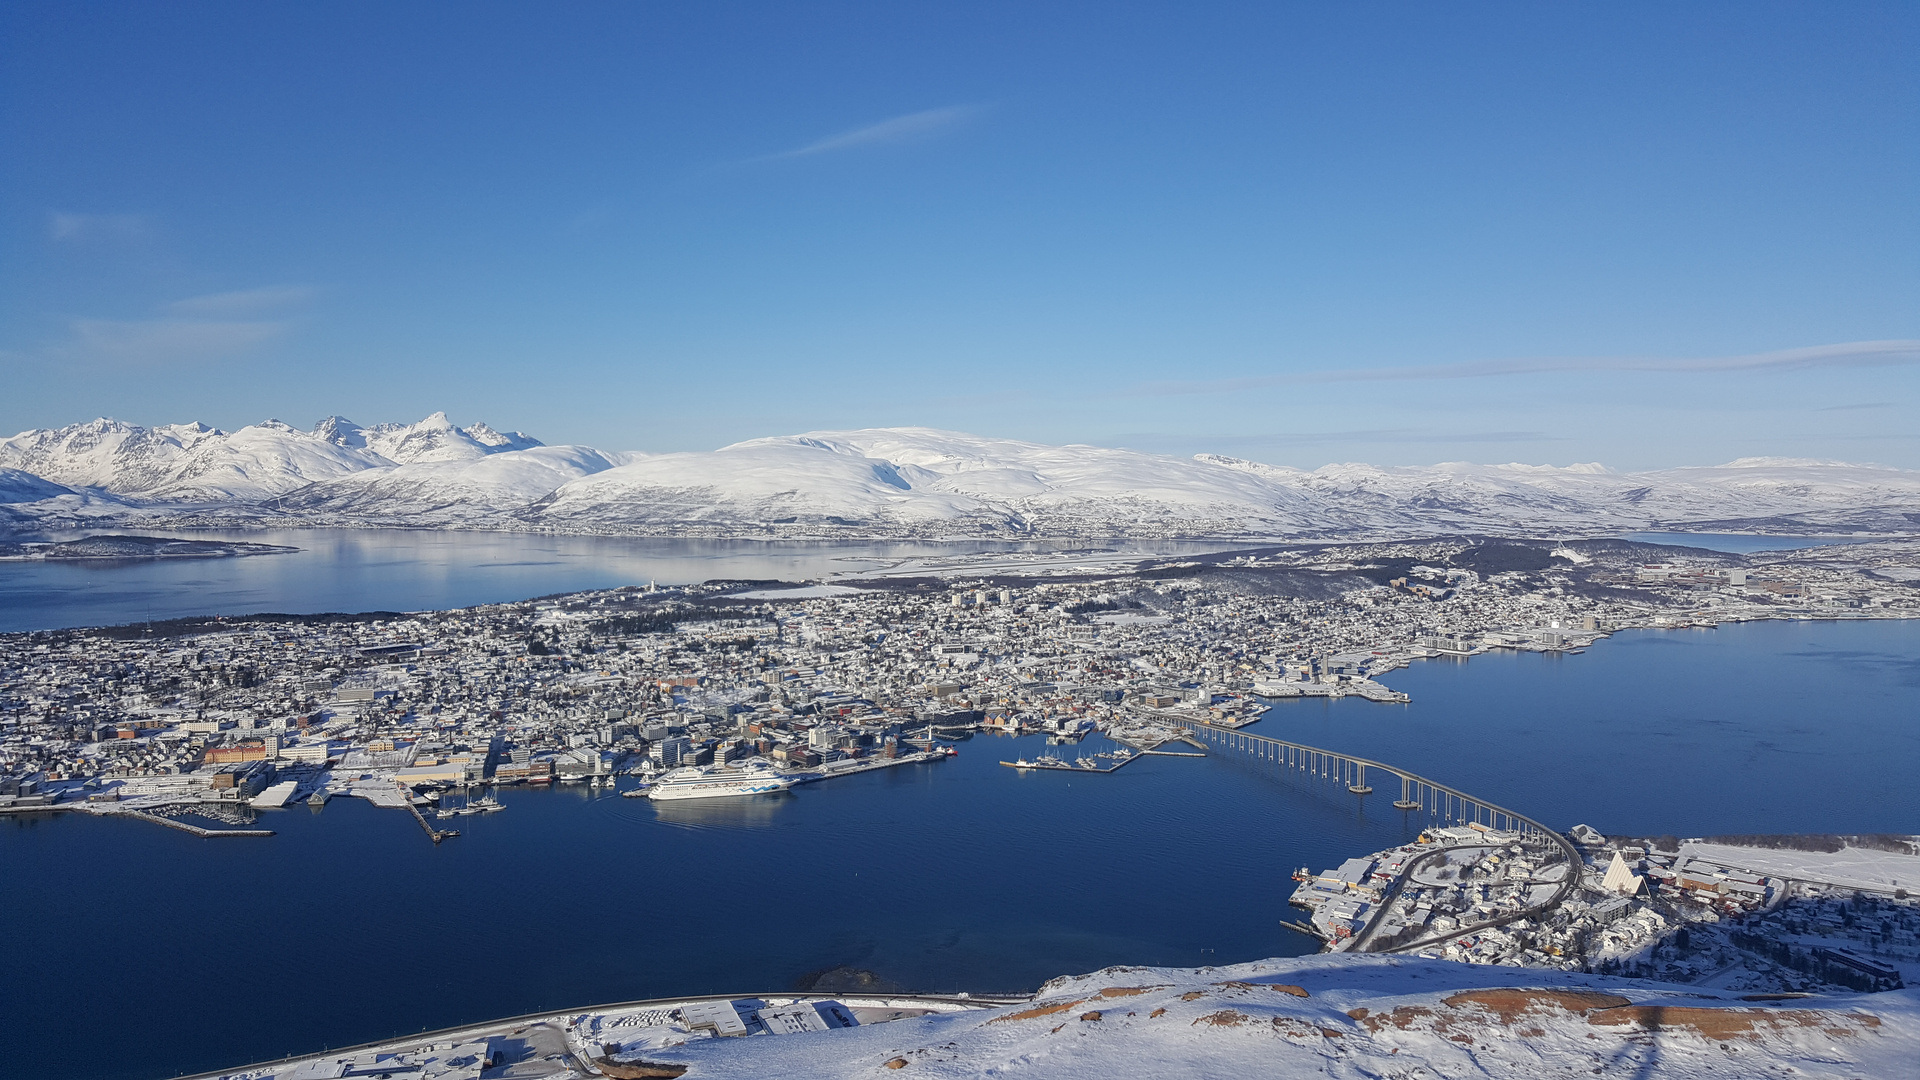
x=428 y=569
x=136 y=951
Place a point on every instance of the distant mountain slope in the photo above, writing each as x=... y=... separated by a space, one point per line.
x=438 y=492
x=21 y=487
x=900 y=482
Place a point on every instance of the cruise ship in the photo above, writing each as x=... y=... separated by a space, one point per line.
x=713 y=782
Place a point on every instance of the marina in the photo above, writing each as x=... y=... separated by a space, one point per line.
x=1089 y=763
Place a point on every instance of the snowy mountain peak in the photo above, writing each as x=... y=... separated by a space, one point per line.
x=432 y=439
x=501 y=440
x=340 y=431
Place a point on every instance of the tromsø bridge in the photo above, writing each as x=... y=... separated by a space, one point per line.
x=1442 y=804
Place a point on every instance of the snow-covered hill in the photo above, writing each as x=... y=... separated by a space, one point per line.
x=1341 y=1016
x=441 y=491
x=887 y=482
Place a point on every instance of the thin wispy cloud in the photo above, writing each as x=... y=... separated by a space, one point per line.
x=196 y=329
x=1856 y=407
x=1852 y=354
x=169 y=341
x=917 y=125
x=1402 y=436
x=67 y=227
x=243 y=301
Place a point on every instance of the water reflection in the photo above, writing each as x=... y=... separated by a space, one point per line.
x=741 y=812
x=403 y=570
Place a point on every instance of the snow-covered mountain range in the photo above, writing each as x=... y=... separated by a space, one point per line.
x=895 y=482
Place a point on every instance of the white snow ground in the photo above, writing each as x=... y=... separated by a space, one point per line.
x=1850 y=867
x=1352 y=1017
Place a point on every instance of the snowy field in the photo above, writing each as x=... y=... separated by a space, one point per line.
x=1852 y=868
x=1352 y=1017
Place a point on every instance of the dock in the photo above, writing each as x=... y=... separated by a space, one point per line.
x=1078 y=765
x=433 y=834
x=834 y=769
x=184 y=827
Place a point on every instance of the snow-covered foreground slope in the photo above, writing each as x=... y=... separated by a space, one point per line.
x=887 y=482
x=1349 y=1017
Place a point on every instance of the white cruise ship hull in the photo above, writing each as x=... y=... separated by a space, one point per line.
x=717 y=787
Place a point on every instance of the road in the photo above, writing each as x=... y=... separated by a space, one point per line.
x=1365 y=937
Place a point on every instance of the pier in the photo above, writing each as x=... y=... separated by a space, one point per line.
x=1081 y=764
x=834 y=769
x=184 y=827
x=433 y=834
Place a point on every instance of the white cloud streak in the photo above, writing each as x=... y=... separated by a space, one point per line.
x=194 y=330
x=168 y=341
x=1852 y=354
x=244 y=301
x=899 y=129
x=67 y=227
x=1398 y=436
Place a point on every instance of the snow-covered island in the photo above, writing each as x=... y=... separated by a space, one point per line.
x=135 y=547
x=198 y=713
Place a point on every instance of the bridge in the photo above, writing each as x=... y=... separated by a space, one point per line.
x=1436 y=801
x=1444 y=805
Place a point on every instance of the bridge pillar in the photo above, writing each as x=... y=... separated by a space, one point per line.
x=1405 y=801
x=1359 y=785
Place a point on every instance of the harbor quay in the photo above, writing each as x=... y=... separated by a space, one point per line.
x=602 y=1040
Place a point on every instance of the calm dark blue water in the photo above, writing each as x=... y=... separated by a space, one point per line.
x=1751 y=728
x=401 y=570
x=349 y=925
x=1740 y=543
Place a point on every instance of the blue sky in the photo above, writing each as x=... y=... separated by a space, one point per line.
x=1644 y=234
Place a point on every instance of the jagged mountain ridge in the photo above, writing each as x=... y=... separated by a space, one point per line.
x=194 y=463
x=882 y=482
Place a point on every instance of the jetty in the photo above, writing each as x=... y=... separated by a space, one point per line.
x=433 y=834
x=183 y=826
x=1087 y=764
x=847 y=767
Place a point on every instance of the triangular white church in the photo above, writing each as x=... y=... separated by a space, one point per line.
x=1620 y=879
